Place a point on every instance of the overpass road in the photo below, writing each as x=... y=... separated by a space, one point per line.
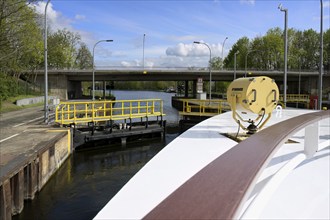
x=66 y=84
x=170 y=74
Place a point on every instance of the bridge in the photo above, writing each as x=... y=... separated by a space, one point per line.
x=62 y=82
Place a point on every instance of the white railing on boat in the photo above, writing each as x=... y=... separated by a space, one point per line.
x=220 y=190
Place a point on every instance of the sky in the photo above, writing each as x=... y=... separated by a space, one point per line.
x=168 y=28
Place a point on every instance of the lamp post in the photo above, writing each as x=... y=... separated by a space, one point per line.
x=237 y=52
x=93 y=98
x=321 y=59
x=246 y=55
x=144 y=38
x=223 y=45
x=210 y=89
x=285 y=51
x=46 y=67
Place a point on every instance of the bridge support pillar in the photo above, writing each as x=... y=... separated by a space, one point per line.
x=104 y=88
x=194 y=89
x=186 y=88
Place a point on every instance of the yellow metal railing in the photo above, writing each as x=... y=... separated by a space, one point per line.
x=296 y=98
x=196 y=107
x=101 y=111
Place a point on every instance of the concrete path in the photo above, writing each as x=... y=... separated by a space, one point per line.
x=22 y=134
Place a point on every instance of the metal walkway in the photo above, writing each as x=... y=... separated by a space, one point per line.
x=101 y=111
x=196 y=107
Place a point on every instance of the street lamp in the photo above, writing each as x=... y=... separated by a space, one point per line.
x=246 y=55
x=237 y=52
x=93 y=98
x=321 y=58
x=197 y=42
x=144 y=38
x=46 y=66
x=285 y=50
x=223 y=45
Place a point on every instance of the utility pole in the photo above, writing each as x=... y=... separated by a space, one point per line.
x=46 y=115
x=321 y=60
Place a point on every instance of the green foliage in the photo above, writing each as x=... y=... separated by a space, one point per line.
x=5 y=82
x=267 y=52
x=216 y=63
x=22 y=48
x=84 y=59
x=62 y=49
x=20 y=45
x=326 y=50
x=242 y=46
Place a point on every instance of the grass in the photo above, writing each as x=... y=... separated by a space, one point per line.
x=9 y=104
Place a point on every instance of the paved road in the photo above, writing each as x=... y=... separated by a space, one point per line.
x=13 y=123
x=21 y=135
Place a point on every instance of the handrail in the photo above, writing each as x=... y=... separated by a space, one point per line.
x=220 y=190
x=296 y=97
x=203 y=107
x=101 y=111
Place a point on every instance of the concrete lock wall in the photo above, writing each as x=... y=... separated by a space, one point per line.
x=34 y=100
x=29 y=178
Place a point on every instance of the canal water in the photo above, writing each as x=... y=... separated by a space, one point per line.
x=90 y=178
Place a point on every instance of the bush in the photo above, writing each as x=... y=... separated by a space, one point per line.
x=6 y=83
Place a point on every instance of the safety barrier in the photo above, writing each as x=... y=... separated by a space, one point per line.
x=102 y=111
x=296 y=97
x=197 y=107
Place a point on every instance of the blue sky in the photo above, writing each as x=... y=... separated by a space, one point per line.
x=170 y=27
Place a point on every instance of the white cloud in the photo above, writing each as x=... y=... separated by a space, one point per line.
x=326 y=4
x=183 y=38
x=194 y=50
x=80 y=17
x=181 y=50
x=249 y=2
x=127 y=64
x=55 y=19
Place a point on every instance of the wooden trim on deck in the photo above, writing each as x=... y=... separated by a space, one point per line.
x=220 y=189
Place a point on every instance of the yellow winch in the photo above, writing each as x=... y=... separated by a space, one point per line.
x=258 y=95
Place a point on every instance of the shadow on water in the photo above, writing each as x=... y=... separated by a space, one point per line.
x=90 y=178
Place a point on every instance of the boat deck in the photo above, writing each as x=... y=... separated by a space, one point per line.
x=205 y=142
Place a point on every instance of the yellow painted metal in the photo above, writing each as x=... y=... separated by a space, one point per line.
x=197 y=107
x=258 y=95
x=69 y=137
x=101 y=111
x=253 y=94
x=296 y=98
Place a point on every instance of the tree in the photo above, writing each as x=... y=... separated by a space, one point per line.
x=62 y=50
x=84 y=59
x=326 y=50
x=20 y=36
x=242 y=46
x=267 y=52
x=216 y=63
